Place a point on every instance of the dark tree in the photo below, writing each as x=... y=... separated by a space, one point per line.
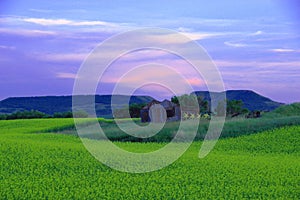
x=174 y=99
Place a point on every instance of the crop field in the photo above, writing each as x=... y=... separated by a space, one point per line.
x=40 y=165
x=232 y=128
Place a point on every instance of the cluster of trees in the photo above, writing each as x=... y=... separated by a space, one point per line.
x=192 y=101
x=187 y=102
x=34 y=114
x=24 y=115
x=69 y=114
x=233 y=107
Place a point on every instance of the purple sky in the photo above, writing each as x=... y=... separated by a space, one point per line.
x=255 y=44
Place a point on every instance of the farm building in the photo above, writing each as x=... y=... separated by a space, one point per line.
x=159 y=112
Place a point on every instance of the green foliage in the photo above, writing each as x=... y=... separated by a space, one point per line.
x=235 y=107
x=191 y=101
x=188 y=101
x=78 y=114
x=245 y=111
x=34 y=114
x=3 y=116
x=175 y=100
x=56 y=166
x=221 y=108
x=63 y=115
x=203 y=105
x=134 y=109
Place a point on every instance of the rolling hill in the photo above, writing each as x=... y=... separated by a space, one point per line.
x=53 y=104
x=285 y=110
x=251 y=100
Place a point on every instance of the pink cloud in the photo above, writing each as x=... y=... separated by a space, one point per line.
x=196 y=82
x=66 y=75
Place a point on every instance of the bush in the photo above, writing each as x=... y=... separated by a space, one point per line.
x=68 y=114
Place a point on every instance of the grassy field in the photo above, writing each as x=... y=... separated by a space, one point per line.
x=284 y=111
x=265 y=165
x=232 y=128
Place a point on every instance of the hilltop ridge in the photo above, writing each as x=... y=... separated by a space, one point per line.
x=53 y=104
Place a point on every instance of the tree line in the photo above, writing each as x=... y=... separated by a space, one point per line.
x=35 y=114
x=187 y=103
x=233 y=107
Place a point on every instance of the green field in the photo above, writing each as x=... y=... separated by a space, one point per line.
x=232 y=128
x=265 y=165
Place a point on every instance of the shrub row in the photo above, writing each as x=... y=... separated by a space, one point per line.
x=34 y=114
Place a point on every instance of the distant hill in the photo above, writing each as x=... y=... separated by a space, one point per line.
x=53 y=104
x=252 y=100
x=285 y=110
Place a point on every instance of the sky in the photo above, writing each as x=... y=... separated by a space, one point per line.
x=254 y=43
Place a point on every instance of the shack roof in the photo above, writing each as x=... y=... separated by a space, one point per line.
x=168 y=105
x=147 y=107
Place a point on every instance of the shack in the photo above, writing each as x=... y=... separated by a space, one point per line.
x=153 y=112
